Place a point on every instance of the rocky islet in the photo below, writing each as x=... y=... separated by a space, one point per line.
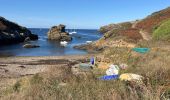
x=58 y=33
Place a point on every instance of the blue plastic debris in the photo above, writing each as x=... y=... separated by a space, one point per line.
x=111 y=77
x=141 y=50
x=92 y=61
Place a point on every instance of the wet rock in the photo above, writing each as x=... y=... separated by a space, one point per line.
x=30 y=46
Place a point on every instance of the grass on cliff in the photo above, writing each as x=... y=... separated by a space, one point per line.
x=163 y=31
x=113 y=31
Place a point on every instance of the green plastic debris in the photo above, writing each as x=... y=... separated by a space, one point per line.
x=141 y=50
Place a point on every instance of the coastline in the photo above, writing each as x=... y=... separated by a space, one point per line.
x=127 y=62
x=12 y=67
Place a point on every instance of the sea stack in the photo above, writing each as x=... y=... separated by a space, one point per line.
x=58 y=33
x=11 y=33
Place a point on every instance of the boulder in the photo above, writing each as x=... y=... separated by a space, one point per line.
x=11 y=33
x=30 y=46
x=58 y=33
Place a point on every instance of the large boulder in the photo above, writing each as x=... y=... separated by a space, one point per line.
x=11 y=32
x=58 y=33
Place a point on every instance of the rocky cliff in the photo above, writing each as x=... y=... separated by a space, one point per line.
x=128 y=34
x=58 y=33
x=11 y=32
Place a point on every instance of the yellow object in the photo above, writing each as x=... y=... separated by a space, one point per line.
x=130 y=77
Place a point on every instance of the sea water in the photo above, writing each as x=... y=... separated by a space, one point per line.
x=52 y=48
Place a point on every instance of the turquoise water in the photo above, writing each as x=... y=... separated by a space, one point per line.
x=51 y=48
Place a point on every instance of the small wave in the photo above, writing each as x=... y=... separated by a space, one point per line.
x=42 y=36
x=41 y=39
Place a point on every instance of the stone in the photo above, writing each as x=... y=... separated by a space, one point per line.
x=58 y=33
x=30 y=46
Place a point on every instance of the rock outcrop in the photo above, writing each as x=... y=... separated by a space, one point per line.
x=58 y=33
x=11 y=33
x=30 y=46
x=107 y=28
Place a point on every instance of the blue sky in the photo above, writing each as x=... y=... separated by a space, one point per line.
x=77 y=13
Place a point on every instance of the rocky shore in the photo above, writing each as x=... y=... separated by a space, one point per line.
x=13 y=67
x=11 y=33
x=128 y=34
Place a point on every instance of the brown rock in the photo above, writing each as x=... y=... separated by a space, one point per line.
x=58 y=33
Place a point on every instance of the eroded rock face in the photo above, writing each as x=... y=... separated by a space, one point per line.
x=11 y=33
x=58 y=33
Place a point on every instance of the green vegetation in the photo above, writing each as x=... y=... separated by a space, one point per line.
x=112 y=30
x=17 y=86
x=111 y=34
x=163 y=31
x=61 y=84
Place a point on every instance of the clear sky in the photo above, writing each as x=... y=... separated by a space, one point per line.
x=77 y=13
